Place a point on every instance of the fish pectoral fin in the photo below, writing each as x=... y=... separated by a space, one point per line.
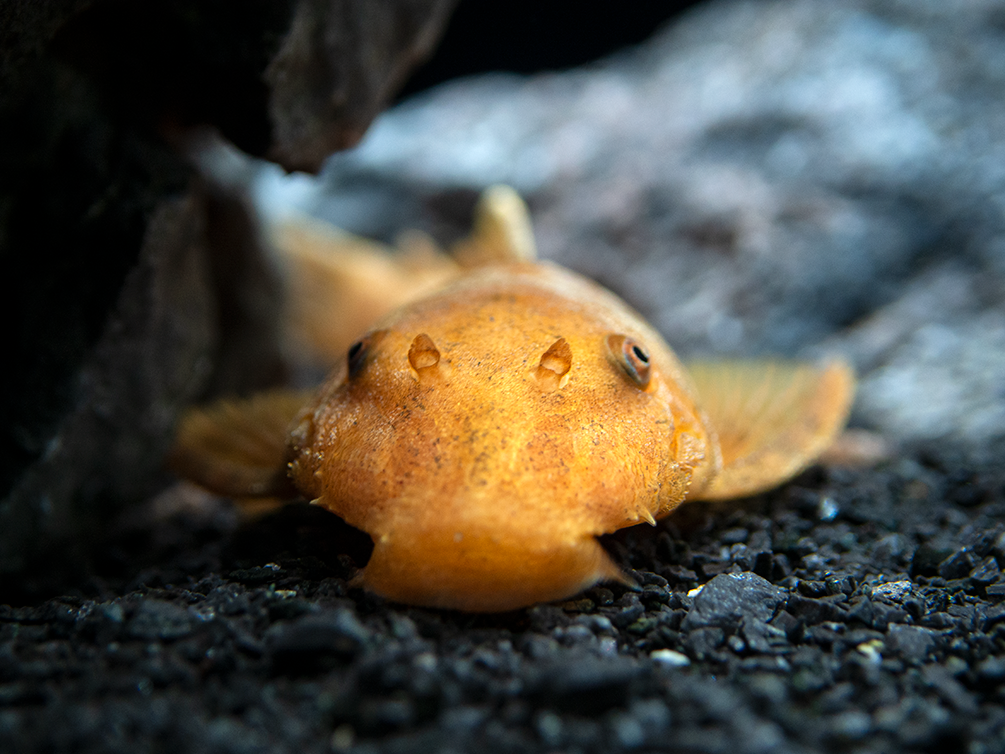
x=502 y=231
x=336 y=284
x=237 y=448
x=772 y=418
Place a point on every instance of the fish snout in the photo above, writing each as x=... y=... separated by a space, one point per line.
x=483 y=570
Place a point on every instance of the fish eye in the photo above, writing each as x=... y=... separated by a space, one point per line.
x=632 y=357
x=358 y=351
x=357 y=355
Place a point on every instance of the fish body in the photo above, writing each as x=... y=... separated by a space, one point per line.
x=485 y=434
x=489 y=467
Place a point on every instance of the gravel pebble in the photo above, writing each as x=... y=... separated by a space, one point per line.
x=733 y=598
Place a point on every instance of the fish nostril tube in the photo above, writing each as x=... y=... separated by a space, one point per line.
x=423 y=353
x=555 y=364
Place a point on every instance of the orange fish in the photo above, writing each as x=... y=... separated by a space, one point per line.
x=487 y=430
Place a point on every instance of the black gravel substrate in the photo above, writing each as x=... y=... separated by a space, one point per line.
x=852 y=610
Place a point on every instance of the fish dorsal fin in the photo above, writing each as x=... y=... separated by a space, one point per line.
x=237 y=448
x=502 y=231
x=338 y=284
x=772 y=418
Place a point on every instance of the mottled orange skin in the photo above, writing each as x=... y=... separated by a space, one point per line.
x=485 y=478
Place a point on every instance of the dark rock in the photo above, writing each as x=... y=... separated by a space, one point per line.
x=648 y=578
x=791 y=625
x=876 y=614
x=993 y=616
x=156 y=619
x=781 y=567
x=655 y=595
x=957 y=565
x=891 y=591
x=927 y=558
x=949 y=689
x=109 y=446
x=995 y=590
x=731 y=598
x=850 y=726
x=837 y=698
x=708 y=566
x=587 y=684
x=734 y=536
x=762 y=564
x=257 y=575
x=992 y=670
x=631 y=610
x=299 y=644
x=289 y=608
x=912 y=643
x=336 y=67
x=892 y=548
x=940 y=621
x=965 y=614
x=998 y=548
x=679 y=575
x=812 y=588
x=702 y=643
x=825 y=634
x=986 y=572
x=814 y=610
x=840 y=584
x=379 y=715
x=763 y=637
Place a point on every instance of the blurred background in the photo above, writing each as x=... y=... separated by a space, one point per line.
x=756 y=177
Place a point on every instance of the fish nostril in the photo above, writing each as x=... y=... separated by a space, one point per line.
x=553 y=369
x=423 y=353
x=558 y=357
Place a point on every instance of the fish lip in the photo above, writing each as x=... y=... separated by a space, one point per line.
x=414 y=571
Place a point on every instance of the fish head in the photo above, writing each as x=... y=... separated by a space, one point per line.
x=486 y=435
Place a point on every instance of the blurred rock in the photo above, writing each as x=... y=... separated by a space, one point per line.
x=763 y=177
x=131 y=288
x=732 y=599
x=152 y=359
x=338 y=66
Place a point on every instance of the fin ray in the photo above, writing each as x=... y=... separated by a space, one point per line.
x=772 y=418
x=238 y=448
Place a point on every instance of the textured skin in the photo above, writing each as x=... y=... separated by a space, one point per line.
x=484 y=478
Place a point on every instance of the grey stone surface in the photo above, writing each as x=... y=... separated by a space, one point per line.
x=338 y=65
x=152 y=360
x=734 y=598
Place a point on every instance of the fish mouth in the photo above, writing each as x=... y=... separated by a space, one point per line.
x=483 y=571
